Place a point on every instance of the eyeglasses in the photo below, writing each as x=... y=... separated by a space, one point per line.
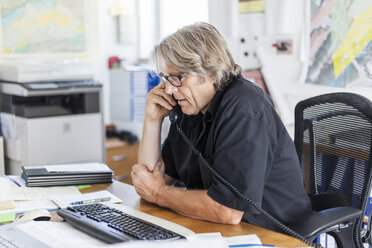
x=173 y=80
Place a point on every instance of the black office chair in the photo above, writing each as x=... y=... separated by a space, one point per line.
x=333 y=138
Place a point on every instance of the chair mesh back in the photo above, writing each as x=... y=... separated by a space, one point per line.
x=333 y=139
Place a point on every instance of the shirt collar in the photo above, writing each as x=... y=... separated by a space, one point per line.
x=212 y=109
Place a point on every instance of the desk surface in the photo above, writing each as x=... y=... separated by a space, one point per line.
x=130 y=198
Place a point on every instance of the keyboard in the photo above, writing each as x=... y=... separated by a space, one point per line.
x=112 y=225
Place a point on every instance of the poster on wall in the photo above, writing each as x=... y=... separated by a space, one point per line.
x=340 y=43
x=39 y=27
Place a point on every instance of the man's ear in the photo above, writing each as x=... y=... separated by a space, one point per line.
x=211 y=79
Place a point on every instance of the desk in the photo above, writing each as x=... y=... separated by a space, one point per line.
x=130 y=198
x=120 y=157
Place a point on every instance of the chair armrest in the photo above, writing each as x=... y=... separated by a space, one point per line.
x=317 y=222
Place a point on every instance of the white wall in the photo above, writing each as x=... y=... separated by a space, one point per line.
x=223 y=14
x=109 y=46
x=150 y=28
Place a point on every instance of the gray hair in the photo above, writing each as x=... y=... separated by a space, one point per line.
x=197 y=49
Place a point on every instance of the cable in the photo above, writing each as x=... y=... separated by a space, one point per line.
x=240 y=195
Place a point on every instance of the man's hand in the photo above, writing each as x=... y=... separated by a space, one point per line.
x=158 y=103
x=148 y=184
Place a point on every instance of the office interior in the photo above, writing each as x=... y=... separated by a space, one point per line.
x=125 y=31
x=270 y=39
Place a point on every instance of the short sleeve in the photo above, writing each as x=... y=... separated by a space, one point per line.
x=167 y=156
x=244 y=150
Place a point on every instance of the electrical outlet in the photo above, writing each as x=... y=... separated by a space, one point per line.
x=247 y=57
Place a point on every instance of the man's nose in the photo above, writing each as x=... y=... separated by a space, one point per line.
x=169 y=88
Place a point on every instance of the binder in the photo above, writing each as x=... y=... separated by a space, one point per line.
x=67 y=174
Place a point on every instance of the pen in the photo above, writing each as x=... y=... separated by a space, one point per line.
x=91 y=201
x=14 y=181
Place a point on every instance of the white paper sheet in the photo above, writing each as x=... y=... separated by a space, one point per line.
x=6 y=183
x=8 y=126
x=26 y=199
x=251 y=239
x=199 y=243
x=65 y=201
x=7 y=204
x=59 y=234
x=18 y=180
x=37 y=193
x=24 y=206
x=214 y=235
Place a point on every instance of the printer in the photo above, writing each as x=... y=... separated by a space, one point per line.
x=51 y=123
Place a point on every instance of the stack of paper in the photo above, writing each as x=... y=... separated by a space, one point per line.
x=66 y=174
x=16 y=197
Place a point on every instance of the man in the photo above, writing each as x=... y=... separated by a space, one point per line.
x=231 y=122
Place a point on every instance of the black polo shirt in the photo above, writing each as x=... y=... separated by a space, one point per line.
x=244 y=140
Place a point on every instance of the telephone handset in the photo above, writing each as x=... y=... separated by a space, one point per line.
x=174 y=115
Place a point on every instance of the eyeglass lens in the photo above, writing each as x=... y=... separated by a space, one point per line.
x=175 y=80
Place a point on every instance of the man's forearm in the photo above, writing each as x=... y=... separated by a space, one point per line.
x=149 y=150
x=197 y=204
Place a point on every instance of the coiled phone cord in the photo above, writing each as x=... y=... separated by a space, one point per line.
x=240 y=195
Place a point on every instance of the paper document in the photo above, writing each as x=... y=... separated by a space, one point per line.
x=7 y=204
x=199 y=243
x=22 y=199
x=24 y=193
x=65 y=201
x=17 y=181
x=81 y=167
x=54 y=234
x=10 y=182
x=235 y=241
x=239 y=241
x=214 y=235
x=24 y=206
x=14 y=182
x=8 y=126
